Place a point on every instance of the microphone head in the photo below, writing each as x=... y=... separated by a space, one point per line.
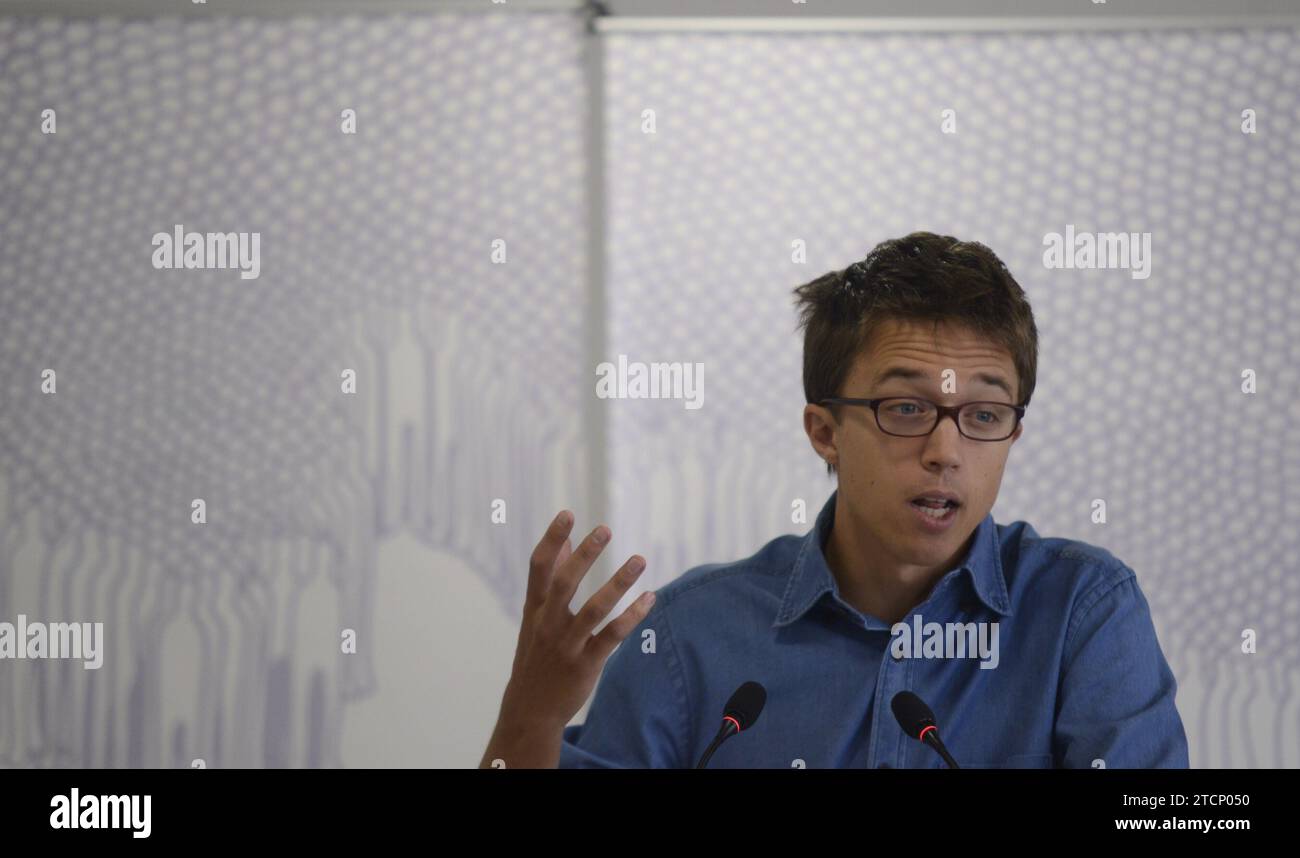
x=746 y=704
x=912 y=713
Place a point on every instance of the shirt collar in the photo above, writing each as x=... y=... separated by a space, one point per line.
x=811 y=576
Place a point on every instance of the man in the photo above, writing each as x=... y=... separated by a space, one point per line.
x=919 y=363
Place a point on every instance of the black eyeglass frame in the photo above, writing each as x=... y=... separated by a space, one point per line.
x=942 y=411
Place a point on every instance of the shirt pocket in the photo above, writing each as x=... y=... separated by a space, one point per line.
x=1018 y=761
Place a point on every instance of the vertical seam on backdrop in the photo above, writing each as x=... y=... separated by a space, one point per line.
x=594 y=316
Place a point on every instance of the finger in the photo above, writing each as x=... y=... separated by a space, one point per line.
x=612 y=635
x=566 y=551
x=571 y=572
x=541 y=566
x=604 y=599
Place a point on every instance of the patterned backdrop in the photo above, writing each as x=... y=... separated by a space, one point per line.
x=475 y=381
x=174 y=385
x=834 y=139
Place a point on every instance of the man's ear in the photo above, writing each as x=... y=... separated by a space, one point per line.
x=1015 y=436
x=819 y=424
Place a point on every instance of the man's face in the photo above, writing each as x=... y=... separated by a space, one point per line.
x=880 y=474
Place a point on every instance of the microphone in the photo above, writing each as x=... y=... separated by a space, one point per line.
x=917 y=721
x=742 y=711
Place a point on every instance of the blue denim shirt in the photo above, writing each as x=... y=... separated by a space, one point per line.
x=1079 y=674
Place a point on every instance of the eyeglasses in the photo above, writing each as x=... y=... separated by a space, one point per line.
x=909 y=417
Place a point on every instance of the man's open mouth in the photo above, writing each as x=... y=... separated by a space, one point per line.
x=934 y=508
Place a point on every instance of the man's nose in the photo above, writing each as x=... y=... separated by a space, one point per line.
x=944 y=443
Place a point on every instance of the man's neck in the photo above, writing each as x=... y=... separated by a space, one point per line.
x=868 y=581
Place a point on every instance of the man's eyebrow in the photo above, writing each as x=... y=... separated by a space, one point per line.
x=911 y=374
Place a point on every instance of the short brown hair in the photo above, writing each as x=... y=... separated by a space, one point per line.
x=919 y=277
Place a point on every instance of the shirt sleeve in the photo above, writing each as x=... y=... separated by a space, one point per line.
x=638 y=717
x=1116 y=698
